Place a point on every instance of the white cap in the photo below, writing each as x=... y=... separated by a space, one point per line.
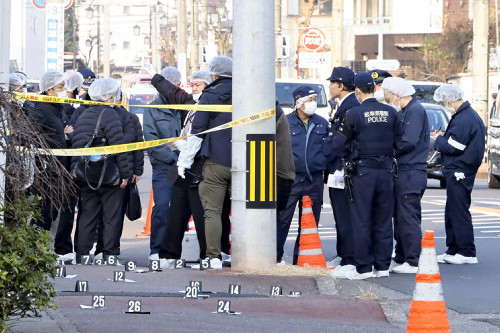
x=201 y=76
x=73 y=80
x=221 y=66
x=171 y=74
x=103 y=89
x=398 y=86
x=50 y=80
x=448 y=93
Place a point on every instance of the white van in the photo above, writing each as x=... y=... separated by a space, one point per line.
x=284 y=94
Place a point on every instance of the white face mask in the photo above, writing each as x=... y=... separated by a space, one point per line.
x=62 y=94
x=450 y=109
x=196 y=97
x=379 y=95
x=398 y=107
x=310 y=108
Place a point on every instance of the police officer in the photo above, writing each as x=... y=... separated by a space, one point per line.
x=379 y=75
x=462 y=148
x=341 y=88
x=307 y=131
x=409 y=187
x=369 y=133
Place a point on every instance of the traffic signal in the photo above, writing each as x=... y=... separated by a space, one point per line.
x=204 y=55
x=283 y=50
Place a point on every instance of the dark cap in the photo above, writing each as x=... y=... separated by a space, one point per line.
x=379 y=75
x=303 y=91
x=342 y=74
x=88 y=77
x=363 y=80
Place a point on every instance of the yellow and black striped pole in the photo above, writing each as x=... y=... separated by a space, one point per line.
x=261 y=171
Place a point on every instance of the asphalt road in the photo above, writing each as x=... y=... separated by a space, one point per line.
x=468 y=289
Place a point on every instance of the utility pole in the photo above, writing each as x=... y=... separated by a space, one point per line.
x=337 y=32
x=98 y=42
x=75 y=44
x=277 y=20
x=204 y=27
x=381 y=30
x=155 y=56
x=195 y=46
x=181 y=39
x=105 y=41
x=254 y=208
x=5 y=13
x=480 y=58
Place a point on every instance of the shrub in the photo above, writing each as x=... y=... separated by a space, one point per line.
x=26 y=263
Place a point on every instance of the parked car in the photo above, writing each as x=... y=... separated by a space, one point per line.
x=284 y=94
x=137 y=90
x=424 y=90
x=493 y=152
x=438 y=121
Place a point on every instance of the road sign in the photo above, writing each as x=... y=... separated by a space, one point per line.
x=54 y=32
x=315 y=59
x=385 y=64
x=312 y=39
x=40 y=4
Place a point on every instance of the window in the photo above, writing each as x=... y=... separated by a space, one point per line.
x=126 y=45
x=126 y=10
x=293 y=7
x=323 y=7
x=367 y=11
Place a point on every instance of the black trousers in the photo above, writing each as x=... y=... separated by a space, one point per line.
x=49 y=214
x=457 y=217
x=341 y=212
x=225 y=242
x=409 y=188
x=371 y=216
x=63 y=243
x=184 y=203
x=104 y=204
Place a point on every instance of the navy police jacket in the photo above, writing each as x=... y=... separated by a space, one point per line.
x=216 y=145
x=369 y=131
x=413 y=147
x=335 y=161
x=462 y=145
x=307 y=147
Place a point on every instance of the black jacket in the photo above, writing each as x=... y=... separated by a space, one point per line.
x=52 y=119
x=462 y=146
x=216 y=145
x=79 y=110
x=172 y=94
x=412 y=149
x=137 y=155
x=348 y=103
x=110 y=128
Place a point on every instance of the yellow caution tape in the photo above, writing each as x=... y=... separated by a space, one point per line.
x=65 y=100
x=116 y=149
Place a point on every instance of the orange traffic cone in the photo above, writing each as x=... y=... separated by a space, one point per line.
x=147 y=228
x=191 y=224
x=310 y=249
x=428 y=309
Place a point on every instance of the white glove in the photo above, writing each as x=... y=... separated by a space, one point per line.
x=180 y=144
x=150 y=69
x=180 y=171
x=186 y=157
